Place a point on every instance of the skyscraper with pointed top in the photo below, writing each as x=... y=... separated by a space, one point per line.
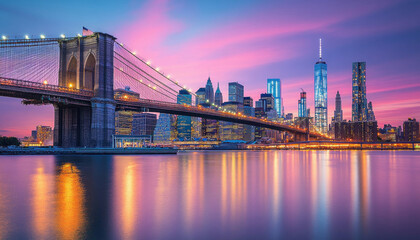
x=320 y=93
x=218 y=97
x=209 y=91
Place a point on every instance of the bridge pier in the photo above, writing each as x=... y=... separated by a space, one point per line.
x=87 y=63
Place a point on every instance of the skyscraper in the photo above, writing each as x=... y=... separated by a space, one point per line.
x=370 y=113
x=209 y=91
x=338 y=112
x=359 y=101
x=162 y=131
x=236 y=92
x=184 y=122
x=274 y=87
x=218 y=97
x=144 y=124
x=302 y=111
x=320 y=90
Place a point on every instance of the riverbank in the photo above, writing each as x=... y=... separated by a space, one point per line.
x=86 y=151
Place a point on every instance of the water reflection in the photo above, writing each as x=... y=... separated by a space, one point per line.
x=70 y=211
x=212 y=195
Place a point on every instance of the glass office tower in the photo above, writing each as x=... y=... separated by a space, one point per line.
x=320 y=92
x=359 y=102
x=184 y=122
x=218 y=97
x=302 y=111
x=236 y=92
x=274 y=87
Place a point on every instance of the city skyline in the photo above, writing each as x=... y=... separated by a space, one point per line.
x=289 y=52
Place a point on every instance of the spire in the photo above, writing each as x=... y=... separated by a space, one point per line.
x=320 y=49
x=218 y=89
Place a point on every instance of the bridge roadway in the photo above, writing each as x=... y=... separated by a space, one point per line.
x=46 y=93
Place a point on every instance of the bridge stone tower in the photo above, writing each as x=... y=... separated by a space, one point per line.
x=87 y=63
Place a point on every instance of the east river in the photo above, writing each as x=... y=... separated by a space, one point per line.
x=212 y=195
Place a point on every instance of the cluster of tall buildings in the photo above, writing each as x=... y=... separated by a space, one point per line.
x=41 y=136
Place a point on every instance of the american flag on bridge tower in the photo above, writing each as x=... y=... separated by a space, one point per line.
x=86 y=32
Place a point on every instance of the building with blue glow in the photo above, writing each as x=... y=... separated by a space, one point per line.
x=274 y=87
x=320 y=93
x=302 y=111
x=236 y=92
x=359 y=108
x=184 y=122
x=209 y=92
x=218 y=97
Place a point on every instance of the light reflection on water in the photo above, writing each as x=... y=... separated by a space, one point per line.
x=212 y=195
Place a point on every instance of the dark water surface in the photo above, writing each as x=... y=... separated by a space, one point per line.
x=212 y=195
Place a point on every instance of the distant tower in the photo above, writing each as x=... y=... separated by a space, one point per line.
x=370 y=113
x=359 y=103
x=184 y=122
x=274 y=87
x=321 y=98
x=338 y=113
x=218 y=97
x=209 y=91
x=302 y=111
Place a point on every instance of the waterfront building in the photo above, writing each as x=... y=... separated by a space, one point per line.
x=302 y=111
x=184 y=122
x=229 y=130
x=359 y=101
x=124 y=119
x=218 y=97
x=370 y=113
x=44 y=135
x=162 y=133
x=338 y=112
x=33 y=134
x=248 y=101
x=144 y=124
x=200 y=97
x=209 y=92
x=411 y=130
x=356 y=131
x=389 y=133
x=274 y=87
x=320 y=93
x=236 y=92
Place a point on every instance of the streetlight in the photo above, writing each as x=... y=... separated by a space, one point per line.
x=42 y=36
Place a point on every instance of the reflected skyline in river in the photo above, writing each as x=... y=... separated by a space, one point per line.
x=213 y=194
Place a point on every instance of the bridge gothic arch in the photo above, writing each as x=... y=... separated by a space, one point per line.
x=89 y=73
x=71 y=75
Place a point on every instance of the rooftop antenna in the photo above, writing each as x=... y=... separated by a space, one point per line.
x=302 y=89
x=320 y=49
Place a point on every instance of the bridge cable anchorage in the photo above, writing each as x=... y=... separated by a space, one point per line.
x=168 y=89
x=154 y=69
x=142 y=82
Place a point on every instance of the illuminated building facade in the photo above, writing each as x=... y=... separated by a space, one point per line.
x=124 y=119
x=200 y=96
x=274 y=87
x=144 y=124
x=162 y=132
x=248 y=101
x=229 y=130
x=302 y=111
x=411 y=130
x=44 y=135
x=359 y=101
x=236 y=92
x=356 y=131
x=321 y=97
x=184 y=122
x=249 y=131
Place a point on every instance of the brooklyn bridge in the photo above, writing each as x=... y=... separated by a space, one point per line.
x=78 y=76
